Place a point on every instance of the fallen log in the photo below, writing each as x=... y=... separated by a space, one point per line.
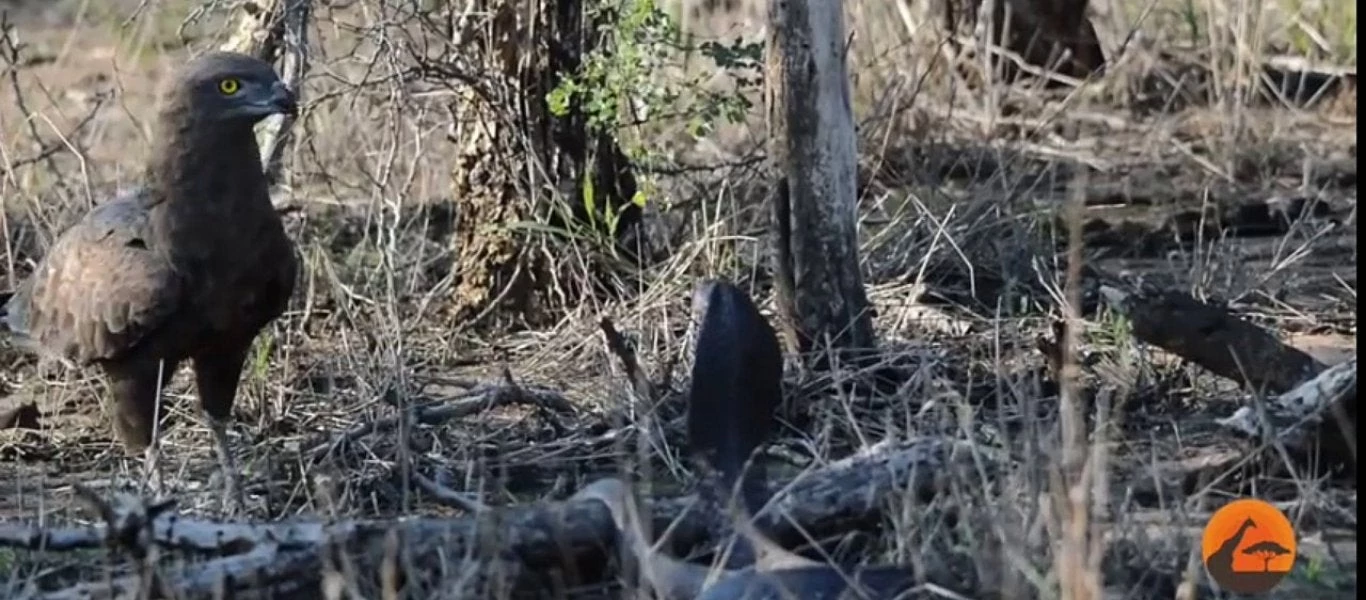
x=1312 y=409
x=513 y=548
x=1213 y=338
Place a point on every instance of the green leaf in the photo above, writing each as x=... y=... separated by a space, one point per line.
x=590 y=202
x=558 y=99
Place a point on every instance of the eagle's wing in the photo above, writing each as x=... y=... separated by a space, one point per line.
x=100 y=290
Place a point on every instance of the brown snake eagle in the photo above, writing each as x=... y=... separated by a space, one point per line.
x=190 y=264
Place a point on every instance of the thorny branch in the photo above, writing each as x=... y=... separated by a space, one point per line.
x=11 y=52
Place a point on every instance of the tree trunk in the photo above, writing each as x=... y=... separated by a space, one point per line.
x=812 y=146
x=518 y=162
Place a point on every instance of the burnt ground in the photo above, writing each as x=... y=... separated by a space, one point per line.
x=963 y=240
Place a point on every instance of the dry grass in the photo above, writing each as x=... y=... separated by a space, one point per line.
x=964 y=248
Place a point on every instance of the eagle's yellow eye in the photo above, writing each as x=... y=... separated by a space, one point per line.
x=229 y=86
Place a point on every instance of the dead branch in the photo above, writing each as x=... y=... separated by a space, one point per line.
x=536 y=537
x=616 y=344
x=1321 y=411
x=254 y=566
x=480 y=399
x=1213 y=338
x=446 y=495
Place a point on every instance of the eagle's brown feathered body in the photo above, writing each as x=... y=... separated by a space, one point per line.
x=189 y=265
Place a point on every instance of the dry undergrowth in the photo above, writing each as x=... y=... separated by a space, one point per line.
x=962 y=200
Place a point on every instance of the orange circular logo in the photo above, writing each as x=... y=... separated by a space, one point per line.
x=1248 y=547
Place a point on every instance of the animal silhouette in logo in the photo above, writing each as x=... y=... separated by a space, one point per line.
x=1248 y=547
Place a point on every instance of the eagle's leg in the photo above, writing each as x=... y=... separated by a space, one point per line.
x=151 y=471
x=217 y=372
x=135 y=387
x=232 y=485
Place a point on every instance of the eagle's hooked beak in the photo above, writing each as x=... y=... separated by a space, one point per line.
x=283 y=100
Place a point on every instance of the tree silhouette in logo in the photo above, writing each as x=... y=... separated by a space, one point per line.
x=1269 y=550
